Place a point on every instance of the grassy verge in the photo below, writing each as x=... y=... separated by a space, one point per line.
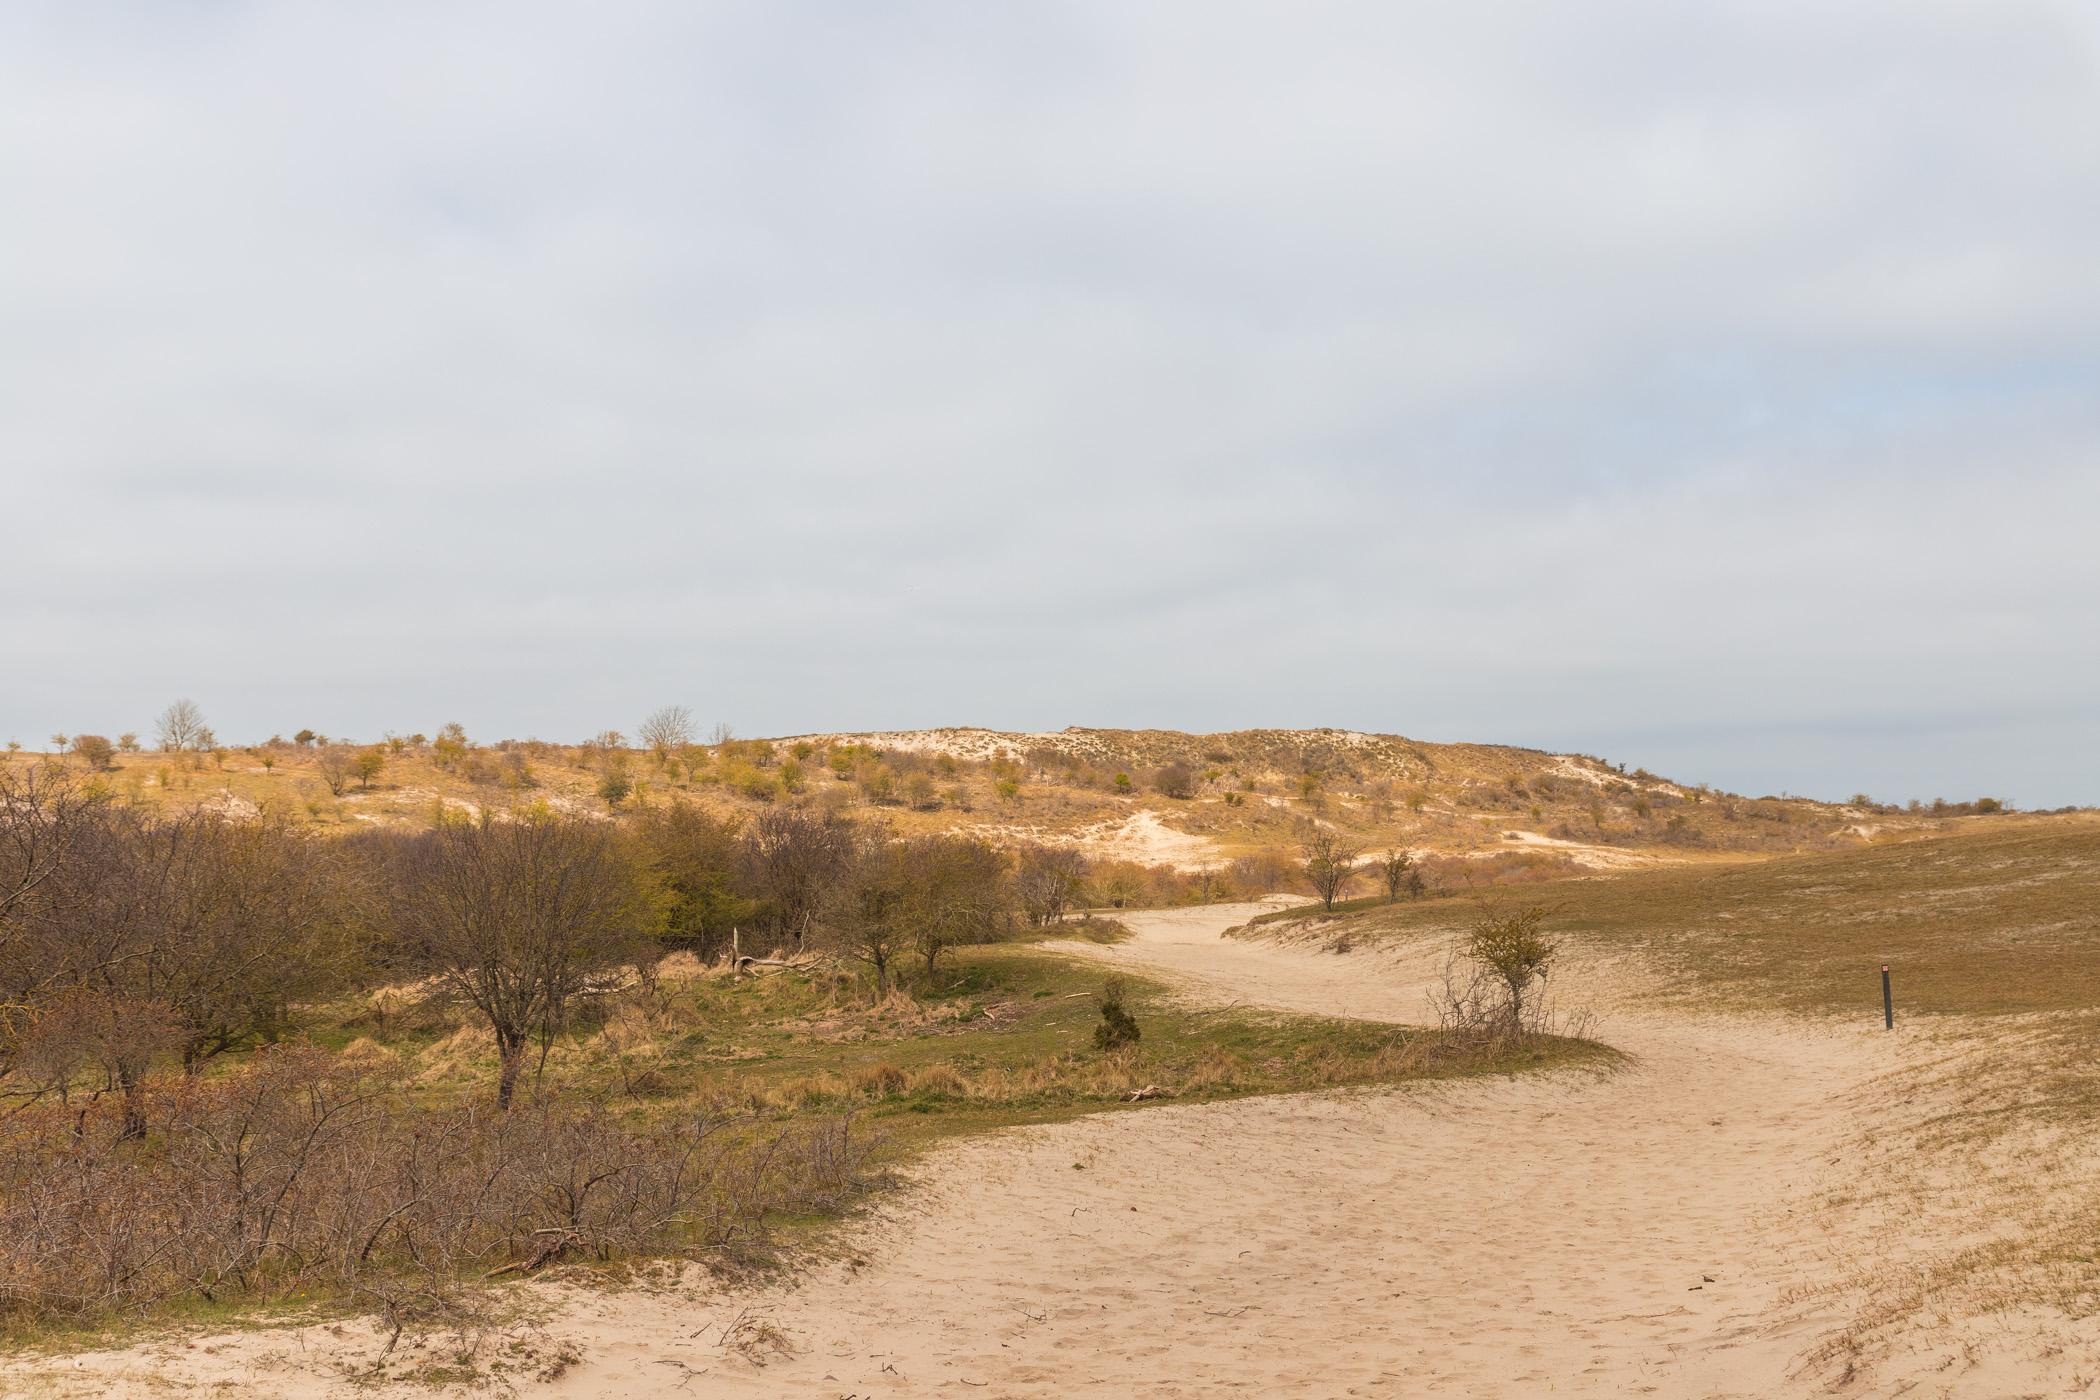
x=998 y=1036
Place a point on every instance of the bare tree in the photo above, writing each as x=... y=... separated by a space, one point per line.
x=1330 y=862
x=336 y=765
x=1398 y=869
x=870 y=913
x=1046 y=880
x=791 y=860
x=525 y=916
x=181 y=726
x=958 y=888
x=209 y=926
x=44 y=814
x=666 y=730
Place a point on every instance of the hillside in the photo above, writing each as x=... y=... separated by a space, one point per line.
x=1156 y=797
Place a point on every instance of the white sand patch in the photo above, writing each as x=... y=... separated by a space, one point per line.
x=1582 y=853
x=228 y=803
x=1589 y=770
x=1142 y=836
x=974 y=745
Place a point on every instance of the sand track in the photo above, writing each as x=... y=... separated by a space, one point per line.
x=1568 y=1233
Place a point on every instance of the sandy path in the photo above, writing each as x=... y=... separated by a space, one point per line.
x=1572 y=1233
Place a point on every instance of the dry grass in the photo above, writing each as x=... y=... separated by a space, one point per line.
x=1999 y=919
x=1981 y=1146
x=1979 y=1141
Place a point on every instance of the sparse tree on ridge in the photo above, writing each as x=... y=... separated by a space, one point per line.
x=181 y=727
x=95 y=751
x=369 y=764
x=667 y=730
x=336 y=765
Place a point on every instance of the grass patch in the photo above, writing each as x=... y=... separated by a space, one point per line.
x=1001 y=1035
x=1090 y=928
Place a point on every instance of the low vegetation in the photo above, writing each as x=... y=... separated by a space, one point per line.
x=1254 y=795
x=1994 y=921
x=244 y=1061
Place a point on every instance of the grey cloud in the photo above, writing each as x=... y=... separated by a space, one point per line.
x=1693 y=383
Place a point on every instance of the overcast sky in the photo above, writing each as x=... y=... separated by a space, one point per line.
x=1714 y=387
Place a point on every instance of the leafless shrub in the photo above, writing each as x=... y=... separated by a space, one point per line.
x=336 y=764
x=95 y=751
x=791 y=861
x=302 y=1172
x=525 y=917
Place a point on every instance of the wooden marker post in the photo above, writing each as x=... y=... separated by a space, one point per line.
x=1888 y=1001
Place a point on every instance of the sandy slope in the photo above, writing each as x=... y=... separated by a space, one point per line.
x=1573 y=1233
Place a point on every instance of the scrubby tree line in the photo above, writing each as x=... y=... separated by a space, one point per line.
x=132 y=937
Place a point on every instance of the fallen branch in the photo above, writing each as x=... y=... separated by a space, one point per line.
x=559 y=1239
x=748 y=963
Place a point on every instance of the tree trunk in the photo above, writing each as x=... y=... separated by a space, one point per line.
x=134 y=1104
x=512 y=1050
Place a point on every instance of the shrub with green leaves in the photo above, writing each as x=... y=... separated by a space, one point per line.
x=1118 y=1027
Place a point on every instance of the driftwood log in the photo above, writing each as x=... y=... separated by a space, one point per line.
x=741 y=962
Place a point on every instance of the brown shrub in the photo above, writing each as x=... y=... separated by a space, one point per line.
x=303 y=1172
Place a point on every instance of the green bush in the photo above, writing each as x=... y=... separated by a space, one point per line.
x=1118 y=1027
